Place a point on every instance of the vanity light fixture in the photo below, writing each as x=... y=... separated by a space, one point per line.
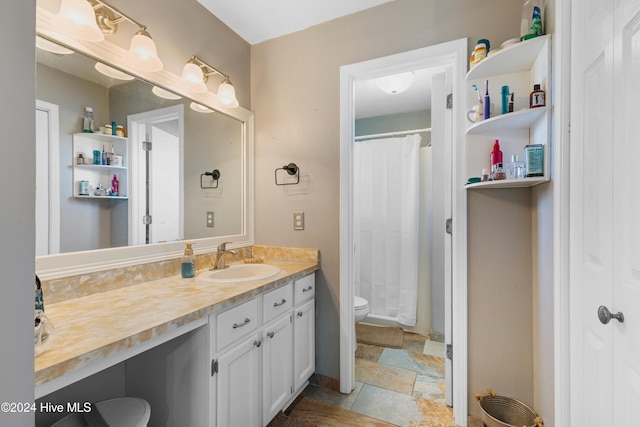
x=162 y=93
x=396 y=83
x=196 y=73
x=77 y=19
x=49 y=46
x=112 y=72
x=91 y=20
x=200 y=108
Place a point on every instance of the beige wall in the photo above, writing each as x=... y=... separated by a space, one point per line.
x=295 y=90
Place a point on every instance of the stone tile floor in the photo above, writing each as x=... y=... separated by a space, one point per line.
x=394 y=387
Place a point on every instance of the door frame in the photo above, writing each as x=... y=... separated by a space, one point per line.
x=561 y=70
x=453 y=54
x=174 y=112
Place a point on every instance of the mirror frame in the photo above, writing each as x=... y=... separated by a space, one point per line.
x=75 y=263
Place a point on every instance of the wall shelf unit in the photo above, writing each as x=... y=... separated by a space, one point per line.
x=85 y=144
x=519 y=66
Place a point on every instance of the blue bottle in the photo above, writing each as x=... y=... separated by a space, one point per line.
x=505 y=99
x=188 y=262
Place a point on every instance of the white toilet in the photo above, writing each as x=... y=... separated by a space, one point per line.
x=361 y=309
x=124 y=411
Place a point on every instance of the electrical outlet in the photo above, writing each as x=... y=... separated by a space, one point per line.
x=210 y=216
x=298 y=220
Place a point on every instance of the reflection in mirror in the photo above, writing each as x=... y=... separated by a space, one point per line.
x=160 y=197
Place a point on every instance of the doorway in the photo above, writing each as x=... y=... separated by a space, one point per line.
x=450 y=59
x=156 y=175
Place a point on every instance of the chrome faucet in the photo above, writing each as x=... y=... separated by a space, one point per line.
x=219 y=263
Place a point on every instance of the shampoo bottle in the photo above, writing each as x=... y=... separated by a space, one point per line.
x=188 y=262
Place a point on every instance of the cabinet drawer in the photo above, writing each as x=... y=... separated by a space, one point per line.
x=276 y=302
x=237 y=322
x=304 y=288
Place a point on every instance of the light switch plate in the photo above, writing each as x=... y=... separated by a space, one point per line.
x=298 y=220
x=210 y=216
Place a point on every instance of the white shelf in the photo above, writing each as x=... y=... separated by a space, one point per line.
x=518 y=57
x=508 y=183
x=511 y=121
x=80 y=196
x=92 y=166
x=101 y=136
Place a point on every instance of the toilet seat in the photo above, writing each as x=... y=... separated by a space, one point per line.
x=360 y=303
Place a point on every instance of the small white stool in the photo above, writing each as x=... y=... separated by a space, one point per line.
x=120 y=412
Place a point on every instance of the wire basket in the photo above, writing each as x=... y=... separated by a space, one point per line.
x=500 y=411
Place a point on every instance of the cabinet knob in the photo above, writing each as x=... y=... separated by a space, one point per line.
x=278 y=304
x=605 y=315
x=271 y=334
x=307 y=289
x=257 y=343
x=300 y=314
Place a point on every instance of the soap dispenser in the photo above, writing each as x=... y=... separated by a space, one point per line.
x=188 y=262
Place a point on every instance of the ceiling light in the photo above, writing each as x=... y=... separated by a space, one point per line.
x=162 y=93
x=200 y=108
x=44 y=44
x=142 y=53
x=77 y=19
x=396 y=83
x=196 y=73
x=112 y=72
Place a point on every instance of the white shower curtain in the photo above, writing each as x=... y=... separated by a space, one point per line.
x=386 y=225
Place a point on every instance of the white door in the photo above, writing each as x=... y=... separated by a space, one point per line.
x=47 y=225
x=304 y=343
x=238 y=393
x=604 y=206
x=156 y=175
x=277 y=359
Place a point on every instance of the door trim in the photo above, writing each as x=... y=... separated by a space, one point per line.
x=561 y=69
x=454 y=54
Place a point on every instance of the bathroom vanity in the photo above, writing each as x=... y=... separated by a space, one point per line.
x=216 y=354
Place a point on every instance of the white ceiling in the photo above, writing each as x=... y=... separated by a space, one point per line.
x=260 y=20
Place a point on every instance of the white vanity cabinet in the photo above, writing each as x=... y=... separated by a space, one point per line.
x=99 y=174
x=304 y=327
x=259 y=366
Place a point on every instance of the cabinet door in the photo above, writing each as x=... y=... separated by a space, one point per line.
x=277 y=358
x=238 y=395
x=304 y=343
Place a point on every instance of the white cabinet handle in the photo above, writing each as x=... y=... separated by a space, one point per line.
x=278 y=304
x=246 y=322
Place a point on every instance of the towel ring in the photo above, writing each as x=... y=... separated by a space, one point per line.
x=292 y=169
x=215 y=176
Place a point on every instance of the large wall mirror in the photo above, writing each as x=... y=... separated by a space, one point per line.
x=183 y=165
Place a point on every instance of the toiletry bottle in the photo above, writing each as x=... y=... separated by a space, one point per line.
x=495 y=157
x=536 y=98
x=534 y=160
x=516 y=168
x=505 y=99
x=104 y=156
x=87 y=120
x=531 y=24
x=115 y=186
x=487 y=101
x=114 y=128
x=188 y=262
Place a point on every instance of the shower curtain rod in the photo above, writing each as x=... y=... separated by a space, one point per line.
x=399 y=133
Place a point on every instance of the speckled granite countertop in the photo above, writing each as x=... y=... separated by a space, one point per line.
x=94 y=327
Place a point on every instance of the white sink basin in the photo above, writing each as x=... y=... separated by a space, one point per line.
x=239 y=273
